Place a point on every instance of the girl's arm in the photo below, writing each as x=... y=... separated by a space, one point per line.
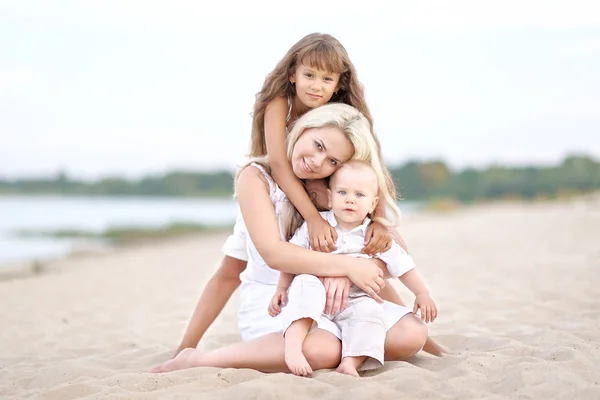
x=262 y=225
x=217 y=292
x=275 y=135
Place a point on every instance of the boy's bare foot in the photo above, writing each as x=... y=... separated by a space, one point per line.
x=296 y=362
x=188 y=358
x=349 y=366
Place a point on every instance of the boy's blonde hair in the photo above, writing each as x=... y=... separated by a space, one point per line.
x=357 y=129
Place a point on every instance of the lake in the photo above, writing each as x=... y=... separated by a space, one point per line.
x=97 y=214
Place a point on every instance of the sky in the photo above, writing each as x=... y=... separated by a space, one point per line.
x=142 y=87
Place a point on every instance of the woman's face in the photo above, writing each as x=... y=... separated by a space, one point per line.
x=319 y=152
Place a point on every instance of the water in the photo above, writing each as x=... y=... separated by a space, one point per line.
x=97 y=214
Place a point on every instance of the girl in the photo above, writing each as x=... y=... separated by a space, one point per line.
x=314 y=71
x=342 y=133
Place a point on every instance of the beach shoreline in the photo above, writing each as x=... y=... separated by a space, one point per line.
x=516 y=285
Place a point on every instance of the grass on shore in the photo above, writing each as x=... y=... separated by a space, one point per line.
x=128 y=235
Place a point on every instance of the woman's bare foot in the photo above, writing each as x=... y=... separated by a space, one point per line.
x=349 y=366
x=188 y=358
x=433 y=348
x=296 y=362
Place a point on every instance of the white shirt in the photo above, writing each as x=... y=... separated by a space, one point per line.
x=352 y=243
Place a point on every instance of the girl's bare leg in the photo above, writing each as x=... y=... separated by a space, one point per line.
x=321 y=348
x=217 y=292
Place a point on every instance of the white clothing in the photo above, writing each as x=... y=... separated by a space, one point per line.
x=362 y=323
x=259 y=283
x=352 y=243
x=235 y=245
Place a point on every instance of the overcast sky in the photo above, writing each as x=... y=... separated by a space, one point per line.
x=133 y=87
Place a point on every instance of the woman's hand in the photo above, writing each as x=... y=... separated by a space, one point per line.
x=366 y=274
x=322 y=235
x=337 y=290
x=378 y=239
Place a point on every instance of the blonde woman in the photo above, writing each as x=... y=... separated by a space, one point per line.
x=319 y=142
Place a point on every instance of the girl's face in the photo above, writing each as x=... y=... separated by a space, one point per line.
x=314 y=87
x=319 y=152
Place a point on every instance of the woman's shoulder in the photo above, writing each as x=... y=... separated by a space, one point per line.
x=250 y=176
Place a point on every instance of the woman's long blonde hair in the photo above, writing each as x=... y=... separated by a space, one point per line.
x=357 y=129
x=324 y=52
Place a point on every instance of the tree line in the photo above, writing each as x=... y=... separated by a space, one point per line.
x=415 y=180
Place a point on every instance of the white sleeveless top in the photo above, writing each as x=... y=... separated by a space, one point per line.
x=257 y=270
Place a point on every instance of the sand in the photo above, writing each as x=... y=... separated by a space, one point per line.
x=517 y=286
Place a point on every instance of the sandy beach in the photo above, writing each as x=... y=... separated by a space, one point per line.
x=517 y=285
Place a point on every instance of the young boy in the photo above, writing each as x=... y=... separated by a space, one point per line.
x=352 y=195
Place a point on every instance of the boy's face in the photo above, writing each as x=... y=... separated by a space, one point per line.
x=353 y=194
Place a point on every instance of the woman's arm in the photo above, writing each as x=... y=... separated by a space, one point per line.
x=281 y=170
x=262 y=225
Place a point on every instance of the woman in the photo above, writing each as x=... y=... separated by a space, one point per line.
x=332 y=132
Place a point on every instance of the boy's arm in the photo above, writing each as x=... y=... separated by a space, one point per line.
x=412 y=280
x=285 y=279
x=423 y=300
x=398 y=262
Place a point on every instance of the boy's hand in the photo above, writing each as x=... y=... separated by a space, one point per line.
x=378 y=239
x=322 y=236
x=279 y=299
x=424 y=302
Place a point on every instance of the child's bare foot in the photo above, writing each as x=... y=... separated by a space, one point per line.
x=188 y=358
x=297 y=363
x=349 y=366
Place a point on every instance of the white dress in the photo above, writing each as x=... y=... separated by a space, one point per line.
x=259 y=283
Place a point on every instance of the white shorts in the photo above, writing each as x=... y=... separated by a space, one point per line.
x=235 y=245
x=254 y=320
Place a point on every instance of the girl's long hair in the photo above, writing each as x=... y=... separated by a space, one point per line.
x=326 y=53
